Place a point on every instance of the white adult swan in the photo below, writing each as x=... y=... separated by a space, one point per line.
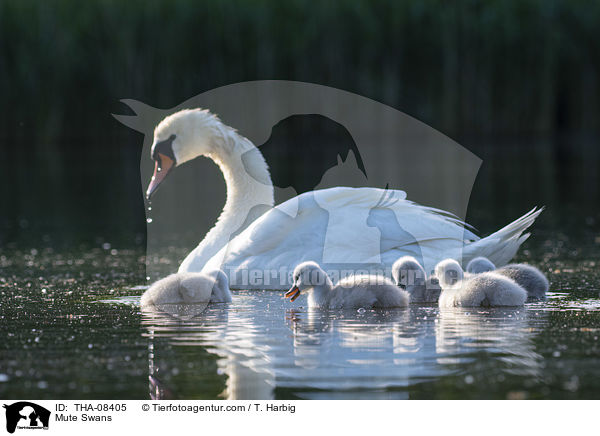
x=329 y=226
x=352 y=292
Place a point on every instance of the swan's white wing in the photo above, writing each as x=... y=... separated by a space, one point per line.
x=501 y=246
x=264 y=253
x=341 y=229
x=353 y=230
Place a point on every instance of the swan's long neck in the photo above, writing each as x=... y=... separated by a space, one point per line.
x=249 y=187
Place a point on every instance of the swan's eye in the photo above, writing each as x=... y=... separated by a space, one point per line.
x=165 y=148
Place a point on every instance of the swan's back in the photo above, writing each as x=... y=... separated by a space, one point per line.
x=330 y=227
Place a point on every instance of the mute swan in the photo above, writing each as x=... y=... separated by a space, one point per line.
x=408 y=273
x=329 y=225
x=352 y=292
x=486 y=289
x=188 y=288
x=528 y=277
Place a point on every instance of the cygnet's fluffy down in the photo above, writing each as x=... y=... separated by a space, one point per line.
x=479 y=265
x=486 y=289
x=408 y=274
x=528 y=277
x=185 y=288
x=353 y=292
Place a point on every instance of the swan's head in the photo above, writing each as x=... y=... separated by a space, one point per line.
x=449 y=273
x=480 y=265
x=407 y=271
x=181 y=137
x=306 y=276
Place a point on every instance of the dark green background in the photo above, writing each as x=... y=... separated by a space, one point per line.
x=514 y=81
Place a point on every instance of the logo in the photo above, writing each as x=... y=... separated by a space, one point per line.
x=26 y=415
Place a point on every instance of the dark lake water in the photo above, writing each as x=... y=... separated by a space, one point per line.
x=71 y=325
x=72 y=328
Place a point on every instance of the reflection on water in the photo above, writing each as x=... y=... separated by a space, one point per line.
x=263 y=349
x=225 y=332
x=505 y=332
x=79 y=333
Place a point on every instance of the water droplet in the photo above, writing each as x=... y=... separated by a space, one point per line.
x=361 y=310
x=148 y=220
x=106 y=246
x=469 y=379
x=149 y=208
x=556 y=354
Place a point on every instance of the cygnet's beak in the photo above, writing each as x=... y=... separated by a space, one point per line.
x=161 y=168
x=293 y=293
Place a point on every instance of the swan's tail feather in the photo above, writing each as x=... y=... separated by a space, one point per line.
x=500 y=247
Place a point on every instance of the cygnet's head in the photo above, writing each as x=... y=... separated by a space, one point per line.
x=407 y=271
x=480 y=265
x=449 y=273
x=181 y=137
x=306 y=276
x=200 y=287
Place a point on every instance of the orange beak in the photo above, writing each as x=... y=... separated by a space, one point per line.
x=293 y=293
x=161 y=169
